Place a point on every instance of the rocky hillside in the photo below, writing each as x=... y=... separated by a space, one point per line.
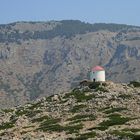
x=44 y=58
x=102 y=111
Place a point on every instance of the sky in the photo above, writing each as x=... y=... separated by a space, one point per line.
x=92 y=11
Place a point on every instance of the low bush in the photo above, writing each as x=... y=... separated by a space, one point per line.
x=6 y=125
x=79 y=118
x=40 y=119
x=29 y=113
x=131 y=129
x=77 y=108
x=54 y=126
x=50 y=121
x=35 y=105
x=49 y=124
x=112 y=110
x=127 y=132
x=33 y=113
x=79 y=95
x=94 y=85
x=98 y=86
x=101 y=89
x=101 y=128
x=125 y=96
x=134 y=83
x=136 y=137
x=21 y=112
x=73 y=128
x=85 y=136
x=115 y=119
x=7 y=110
x=122 y=134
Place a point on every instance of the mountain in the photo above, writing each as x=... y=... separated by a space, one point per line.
x=45 y=58
x=105 y=111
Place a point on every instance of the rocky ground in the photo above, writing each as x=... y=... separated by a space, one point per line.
x=105 y=111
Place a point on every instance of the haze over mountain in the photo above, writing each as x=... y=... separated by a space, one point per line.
x=44 y=58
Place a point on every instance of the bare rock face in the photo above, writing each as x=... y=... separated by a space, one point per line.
x=45 y=58
x=109 y=111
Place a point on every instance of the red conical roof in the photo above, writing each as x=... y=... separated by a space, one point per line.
x=97 y=68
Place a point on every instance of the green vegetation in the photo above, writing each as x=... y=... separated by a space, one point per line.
x=48 y=124
x=104 y=108
x=131 y=129
x=3 y=133
x=101 y=128
x=49 y=121
x=134 y=83
x=94 y=85
x=73 y=128
x=123 y=134
x=49 y=99
x=7 y=110
x=104 y=84
x=13 y=119
x=112 y=110
x=127 y=133
x=98 y=86
x=63 y=101
x=33 y=113
x=6 y=125
x=90 y=116
x=115 y=119
x=24 y=132
x=30 y=126
x=136 y=137
x=21 y=111
x=85 y=136
x=49 y=128
x=40 y=119
x=34 y=106
x=101 y=89
x=79 y=95
x=51 y=124
x=29 y=113
x=77 y=108
x=125 y=96
x=79 y=118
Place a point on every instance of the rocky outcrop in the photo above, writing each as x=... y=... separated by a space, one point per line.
x=107 y=111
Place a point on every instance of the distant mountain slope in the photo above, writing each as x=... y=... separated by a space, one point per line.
x=43 y=58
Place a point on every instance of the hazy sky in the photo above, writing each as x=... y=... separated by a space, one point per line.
x=93 y=11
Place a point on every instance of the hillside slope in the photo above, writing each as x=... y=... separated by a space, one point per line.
x=44 y=58
x=107 y=111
